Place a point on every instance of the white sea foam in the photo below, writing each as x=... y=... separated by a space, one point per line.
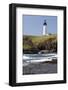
x=36 y=58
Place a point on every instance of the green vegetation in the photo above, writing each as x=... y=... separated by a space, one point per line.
x=38 y=43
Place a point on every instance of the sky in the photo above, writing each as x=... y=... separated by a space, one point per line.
x=33 y=24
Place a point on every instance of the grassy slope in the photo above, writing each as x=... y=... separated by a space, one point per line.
x=37 y=39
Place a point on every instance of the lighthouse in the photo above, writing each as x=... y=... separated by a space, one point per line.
x=44 y=28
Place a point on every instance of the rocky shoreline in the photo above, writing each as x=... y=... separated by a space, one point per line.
x=40 y=68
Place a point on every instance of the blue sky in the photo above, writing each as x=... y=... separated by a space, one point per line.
x=33 y=24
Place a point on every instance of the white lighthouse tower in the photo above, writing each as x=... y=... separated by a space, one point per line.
x=44 y=28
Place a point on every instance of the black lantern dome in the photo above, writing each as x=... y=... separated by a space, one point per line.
x=44 y=22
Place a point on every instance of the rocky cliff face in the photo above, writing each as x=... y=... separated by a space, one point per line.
x=43 y=44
